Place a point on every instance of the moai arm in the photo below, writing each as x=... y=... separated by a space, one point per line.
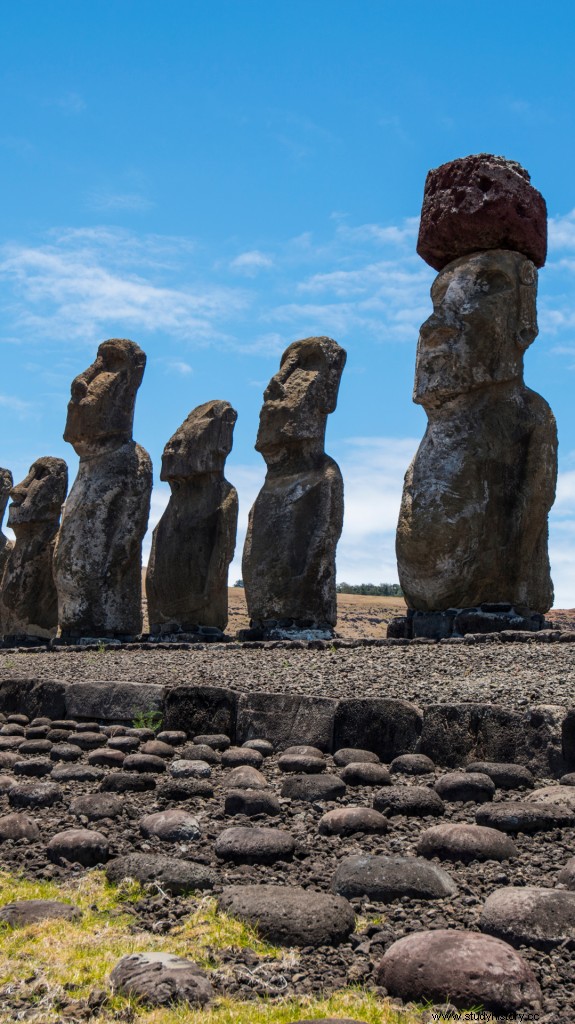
x=130 y=518
x=224 y=542
x=533 y=504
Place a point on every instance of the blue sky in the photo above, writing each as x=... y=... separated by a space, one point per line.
x=217 y=180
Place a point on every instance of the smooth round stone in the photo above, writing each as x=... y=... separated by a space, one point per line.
x=565 y=780
x=127 y=782
x=18 y=826
x=465 y=786
x=41 y=721
x=386 y=879
x=65 y=723
x=264 y=747
x=86 y=727
x=12 y=729
x=245 y=845
x=465 y=843
x=520 y=816
x=290 y=915
x=114 y=730
x=185 y=789
x=346 y=821
x=88 y=740
x=95 y=806
x=464 y=968
x=76 y=773
x=8 y=758
x=567 y=874
x=37 y=732
x=142 y=733
x=125 y=744
x=144 y=763
x=175 y=737
x=505 y=776
x=562 y=796
x=171 y=874
x=530 y=916
x=303 y=750
x=65 y=752
x=313 y=787
x=200 y=752
x=106 y=757
x=39 y=746
x=171 y=826
x=245 y=777
x=11 y=742
x=79 y=846
x=22 y=913
x=7 y=782
x=233 y=757
x=17 y=719
x=251 y=802
x=40 y=794
x=412 y=764
x=364 y=773
x=217 y=741
x=354 y=755
x=59 y=735
x=301 y=763
x=414 y=801
x=158 y=749
x=36 y=768
x=160 y=979
x=184 y=769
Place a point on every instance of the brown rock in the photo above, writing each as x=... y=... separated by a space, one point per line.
x=473 y=522
x=29 y=603
x=194 y=541
x=481 y=202
x=296 y=521
x=97 y=562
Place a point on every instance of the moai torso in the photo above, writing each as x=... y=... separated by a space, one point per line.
x=294 y=526
x=97 y=561
x=29 y=603
x=194 y=542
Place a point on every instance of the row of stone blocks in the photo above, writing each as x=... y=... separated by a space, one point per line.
x=541 y=738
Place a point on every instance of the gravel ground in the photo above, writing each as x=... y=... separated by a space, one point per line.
x=511 y=674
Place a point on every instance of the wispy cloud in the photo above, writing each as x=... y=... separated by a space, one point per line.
x=178 y=366
x=103 y=201
x=250 y=263
x=22 y=408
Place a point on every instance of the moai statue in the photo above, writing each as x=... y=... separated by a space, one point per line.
x=296 y=521
x=97 y=563
x=194 y=541
x=6 y=484
x=29 y=603
x=472 y=533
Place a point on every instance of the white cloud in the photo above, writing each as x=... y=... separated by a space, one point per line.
x=562 y=232
x=117 y=201
x=179 y=366
x=17 y=405
x=249 y=263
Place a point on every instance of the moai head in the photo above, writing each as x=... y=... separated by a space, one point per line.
x=202 y=443
x=300 y=396
x=101 y=409
x=484 y=317
x=6 y=484
x=39 y=497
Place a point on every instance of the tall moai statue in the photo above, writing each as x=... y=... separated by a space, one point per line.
x=194 y=541
x=6 y=484
x=472 y=533
x=98 y=558
x=28 y=600
x=294 y=526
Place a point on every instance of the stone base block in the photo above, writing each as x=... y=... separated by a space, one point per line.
x=286 y=629
x=457 y=622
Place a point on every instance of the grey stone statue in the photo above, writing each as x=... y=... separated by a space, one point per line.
x=29 y=603
x=296 y=521
x=6 y=484
x=194 y=541
x=99 y=551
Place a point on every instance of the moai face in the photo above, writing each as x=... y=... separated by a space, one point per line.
x=6 y=484
x=101 y=409
x=300 y=396
x=484 y=317
x=202 y=443
x=39 y=497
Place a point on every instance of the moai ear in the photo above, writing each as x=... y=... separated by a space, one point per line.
x=527 y=329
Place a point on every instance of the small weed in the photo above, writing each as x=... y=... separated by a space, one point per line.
x=148 y=720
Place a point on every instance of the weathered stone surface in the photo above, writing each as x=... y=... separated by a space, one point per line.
x=296 y=521
x=520 y=816
x=290 y=915
x=313 y=787
x=217 y=741
x=94 y=806
x=79 y=846
x=464 y=968
x=412 y=764
x=263 y=746
x=34 y=767
x=473 y=521
x=541 y=918
x=481 y=202
x=39 y=794
x=563 y=796
x=459 y=841
x=566 y=876
x=18 y=826
x=286 y=719
x=354 y=755
x=28 y=599
x=464 y=786
x=127 y=782
x=161 y=978
x=34 y=696
x=245 y=845
x=78 y=773
x=185 y=769
x=301 y=763
x=505 y=776
x=171 y=826
x=113 y=701
x=97 y=561
x=385 y=725
x=200 y=752
x=171 y=874
x=201 y=709
x=24 y=912
x=245 y=776
x=417 y=801
x=6 y=484
x=346 y=821
x=365 y=774
x=106 y=757
x=144 y=763
x=185 y=789
x=389 y=878
x=194 y=541
x=236 y=757
x=251 y=802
